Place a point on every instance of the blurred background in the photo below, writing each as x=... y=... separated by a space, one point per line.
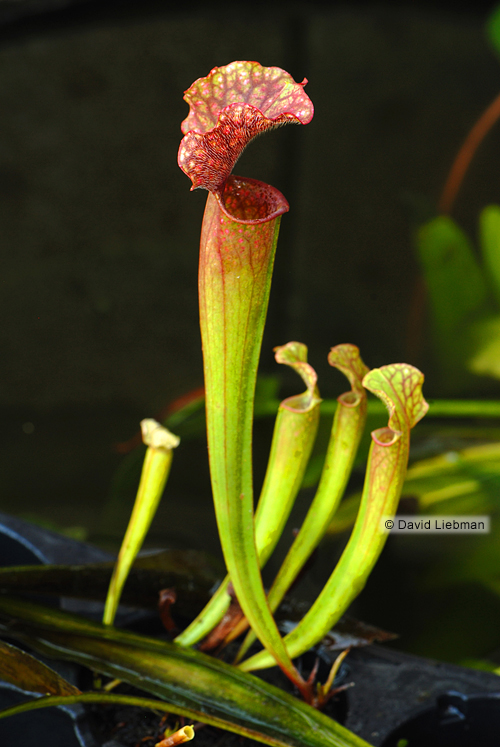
x=99 y=236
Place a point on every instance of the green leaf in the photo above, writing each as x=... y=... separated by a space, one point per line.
x=493 y=29
x=489 y=228
x=453 y=277
x=266 y=396
x=463 y=482
x=193 y=684
x=457 y=482
x=102 y=697
x=485 y=336
x=26 y=672
x=190 y=571
x=442 y=483
x=457 y=292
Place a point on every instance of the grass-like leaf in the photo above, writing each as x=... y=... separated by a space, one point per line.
x=28 y=673
x=193 y=684
x=190 y=571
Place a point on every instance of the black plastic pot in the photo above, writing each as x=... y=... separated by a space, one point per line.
x=57 y=727
x=456 y=720
x=396 y=696
x=22 y=543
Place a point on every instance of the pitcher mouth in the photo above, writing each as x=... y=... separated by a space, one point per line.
x=250 y=201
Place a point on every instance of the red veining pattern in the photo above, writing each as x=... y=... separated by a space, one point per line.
x=346 y=358
x=399 y=386
x=230 y=107
x=250 y=201
x=294 y=354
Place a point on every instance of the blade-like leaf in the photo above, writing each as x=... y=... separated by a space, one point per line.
x=493 y=29
x=453 y=277
x=190 y=571
x=195 y=685
x=457 y=292
x=489 y=227
x=485 y=337
x=27 y=673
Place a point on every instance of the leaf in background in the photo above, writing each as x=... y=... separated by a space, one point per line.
x=444 y=482
x=266 y=396
x=467 y=481
x=27 y=673
x=346 y=514
x=489 y=227
x=192 y=573
x=456 y=288
x=456 y=482
x=485 y=337
x=453 y=277
x=196 y=685
x=475 y=559
x=493 y=29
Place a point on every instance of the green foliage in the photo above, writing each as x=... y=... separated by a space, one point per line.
x=454 y=279
x=193 y=684
x=489 y=227
x=28 y=673
x=400 y=388
x=237 y=249
x=453 y=483
x=346 y=432
x=154 y=475
x=493 y=29
x=193 y=574
x=294 y=434
x=464 y=295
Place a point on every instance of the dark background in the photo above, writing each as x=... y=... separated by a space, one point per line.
x=99 y=231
